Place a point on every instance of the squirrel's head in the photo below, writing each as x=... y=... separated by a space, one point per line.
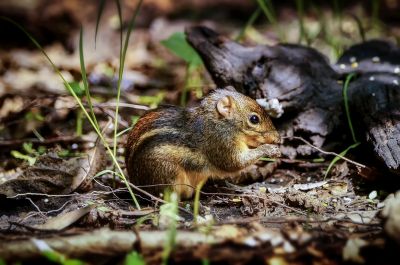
x=250 y=118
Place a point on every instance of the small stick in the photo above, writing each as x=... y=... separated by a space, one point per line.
x=328 y=153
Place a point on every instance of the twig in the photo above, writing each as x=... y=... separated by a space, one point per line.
x=10 y=143
x=122 y=105
x=328 y=153
x=288 y=219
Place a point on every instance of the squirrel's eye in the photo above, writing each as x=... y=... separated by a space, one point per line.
x=254 y=119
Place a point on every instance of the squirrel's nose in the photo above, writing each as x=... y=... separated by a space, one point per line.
x=273 y=137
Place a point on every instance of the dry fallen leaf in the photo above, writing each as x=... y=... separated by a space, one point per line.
x=351 y=251
x=64 y=220
x=391 y=212
x=54 y=175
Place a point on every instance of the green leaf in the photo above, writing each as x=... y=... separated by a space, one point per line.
x=76 y=87
x=64 y=153
x=205 y=262
x=153 y=101
x=34 y=116
x=28 y=148
x=134 y=258
x=59 y=258
x=41 y=149
x=19 y=155
x=53 y=256
x=178 y=45
x=337 y=158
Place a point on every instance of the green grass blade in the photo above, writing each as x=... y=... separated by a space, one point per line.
x=84 y=78
x=121 y=69
x=360 y=27
x=134 y=258
x=196 y=203
x=71 y=91
x=337 y=158
x=375 y=12
x=248 y=24
x=346 y=105
x=300 y=14
x=99 y=14
x=337 y=10
x=124 y=131
x=267 y=11
x=118 y=3
x=79 y=122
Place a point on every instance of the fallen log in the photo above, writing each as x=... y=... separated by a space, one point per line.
x=307 y=86
x=374 y=97
x=375 y=104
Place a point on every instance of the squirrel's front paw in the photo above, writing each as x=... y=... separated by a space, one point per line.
x=271 y=150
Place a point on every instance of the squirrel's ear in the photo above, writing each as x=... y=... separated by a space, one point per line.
x=225 y=106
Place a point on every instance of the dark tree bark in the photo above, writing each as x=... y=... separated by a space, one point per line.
x=374 y=99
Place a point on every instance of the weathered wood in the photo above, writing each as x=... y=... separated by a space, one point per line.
x=375 y=103
x=370 y=57
x=299 y=77
x=306 y=85
x=375 y=97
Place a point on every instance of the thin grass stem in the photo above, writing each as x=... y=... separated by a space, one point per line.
x=346 y=105
x=78 y=100
x=121 y=66
x=84 y=78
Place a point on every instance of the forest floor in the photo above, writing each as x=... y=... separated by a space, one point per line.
x=61 y=202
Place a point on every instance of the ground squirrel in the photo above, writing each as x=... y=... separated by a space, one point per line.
x=172 y=145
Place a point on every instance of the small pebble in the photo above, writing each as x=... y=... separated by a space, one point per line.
x=373 y=195
x=373 y=94
x=396 y=82
x=74 y=146
x=354 y=65
x=353 y=59
x=288 y=247
x=376 y=59
x=250 y=241
x=347 y=200
x=396 y=70
x=342 y=66
x=371 y=78
x=262 y=189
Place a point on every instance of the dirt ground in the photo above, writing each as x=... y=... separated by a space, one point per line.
x=60 y=201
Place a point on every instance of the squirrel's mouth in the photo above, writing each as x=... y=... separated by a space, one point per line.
x=255 y=140
x=272 y=137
